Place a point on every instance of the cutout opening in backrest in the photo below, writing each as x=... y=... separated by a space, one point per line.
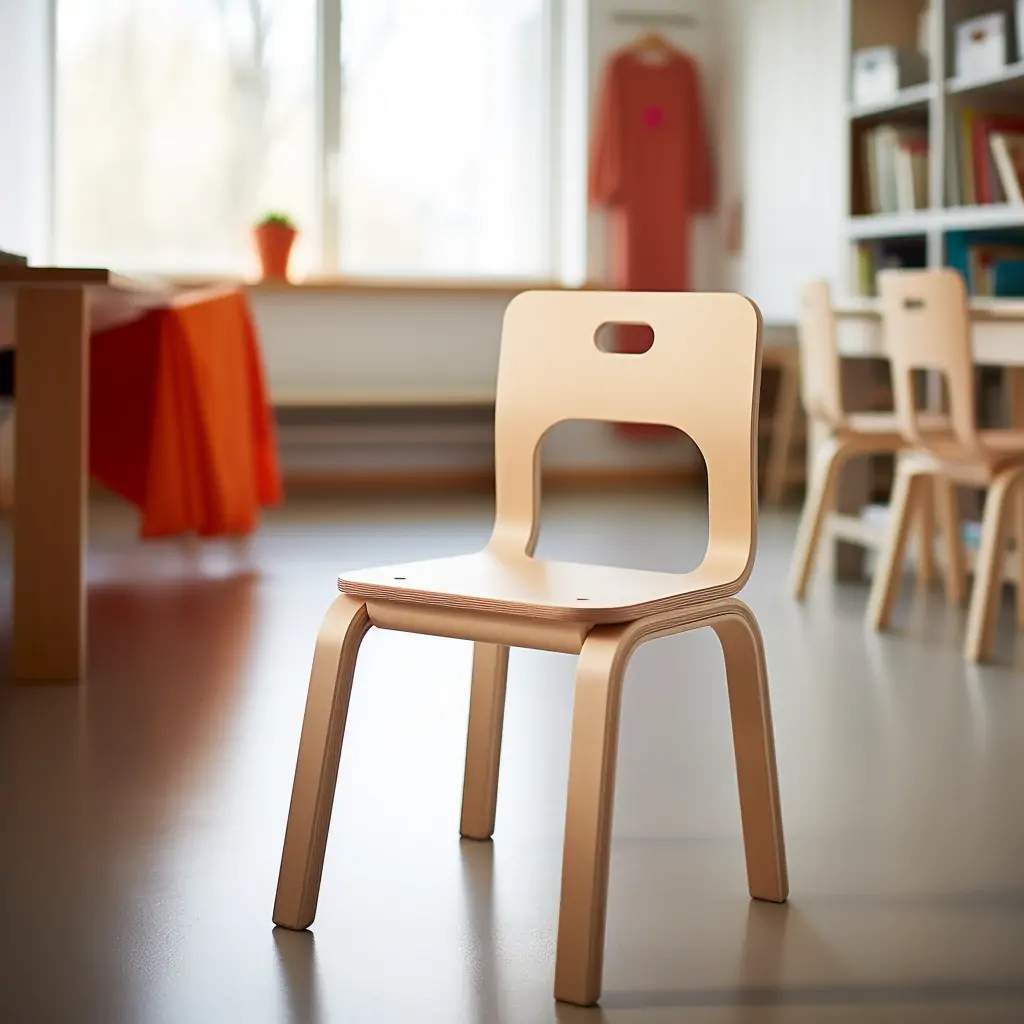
x=930 y=388
x=611 y=499
x=624 y=338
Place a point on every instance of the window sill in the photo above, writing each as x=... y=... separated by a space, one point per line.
x=378 y=285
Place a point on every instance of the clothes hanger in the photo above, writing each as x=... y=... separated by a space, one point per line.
x=653 y=41
x=653 y=45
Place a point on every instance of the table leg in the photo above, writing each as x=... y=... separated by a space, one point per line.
x=51 y=479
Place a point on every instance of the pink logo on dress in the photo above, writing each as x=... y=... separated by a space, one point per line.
x=654 y=117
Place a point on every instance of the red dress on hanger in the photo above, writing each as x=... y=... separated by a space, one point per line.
x=650 y=166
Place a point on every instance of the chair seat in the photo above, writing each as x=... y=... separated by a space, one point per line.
x=1000 y=449
x=485 y=582
x=1006 y=442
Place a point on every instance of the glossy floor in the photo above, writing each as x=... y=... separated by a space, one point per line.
x=143 y=813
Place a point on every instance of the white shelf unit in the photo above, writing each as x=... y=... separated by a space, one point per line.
x=1009 y=77
x=906 y=99
x=868 y=23
x=948 y=218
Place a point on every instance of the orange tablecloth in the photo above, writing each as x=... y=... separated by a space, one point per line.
x=180 y=424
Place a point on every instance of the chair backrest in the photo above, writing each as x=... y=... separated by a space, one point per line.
x=820 y=379
x=701 y=375
x=927 y=326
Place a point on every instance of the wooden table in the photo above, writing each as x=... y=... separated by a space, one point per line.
x=998 y=326
x=47 y=313
x=998 y=341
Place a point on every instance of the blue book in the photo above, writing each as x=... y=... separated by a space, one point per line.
x=1008 y=279
x=958 y=246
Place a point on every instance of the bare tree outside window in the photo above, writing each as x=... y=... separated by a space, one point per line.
x=179 y=124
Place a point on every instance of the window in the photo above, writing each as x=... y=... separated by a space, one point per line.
x=179 y=124
x=444 y=157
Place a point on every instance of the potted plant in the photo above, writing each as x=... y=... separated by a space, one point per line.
x=275 y=236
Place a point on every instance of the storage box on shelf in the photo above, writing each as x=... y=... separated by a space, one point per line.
x=982 y=44
x=880 y=73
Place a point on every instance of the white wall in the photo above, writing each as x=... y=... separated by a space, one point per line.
x=427 y=344
x=786 y=97
x=357 y=343
x=24 y=127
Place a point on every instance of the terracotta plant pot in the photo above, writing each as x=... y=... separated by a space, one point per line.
x=274 y=242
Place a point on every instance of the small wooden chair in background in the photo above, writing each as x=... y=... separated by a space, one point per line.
x=847 y=435
x=552 y=370
x=927 y=327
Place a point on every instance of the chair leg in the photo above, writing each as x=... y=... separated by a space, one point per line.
x=818 y=503
x=579 y=959
x=952 y=537
x=983 y=612
x=483 y=741
x=886 y=584
x=753 y=738
x=316 y=771
x=925 y=561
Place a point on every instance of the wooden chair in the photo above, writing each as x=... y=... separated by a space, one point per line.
x=551 y=370
x=846 y=435
x=927 y=327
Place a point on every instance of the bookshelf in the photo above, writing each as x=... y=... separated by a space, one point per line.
x=927 y=209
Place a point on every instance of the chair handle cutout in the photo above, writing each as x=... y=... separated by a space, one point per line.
x=624 y=337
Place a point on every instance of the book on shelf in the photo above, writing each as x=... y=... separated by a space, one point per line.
x=960 y=163
x=1007 y=279
x=865 y=270
x=981 y=158
x=987 y=180
x=895 y=162
x=983 y=261
x=886 y=254
x=1008 y=155
x=986 y=258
